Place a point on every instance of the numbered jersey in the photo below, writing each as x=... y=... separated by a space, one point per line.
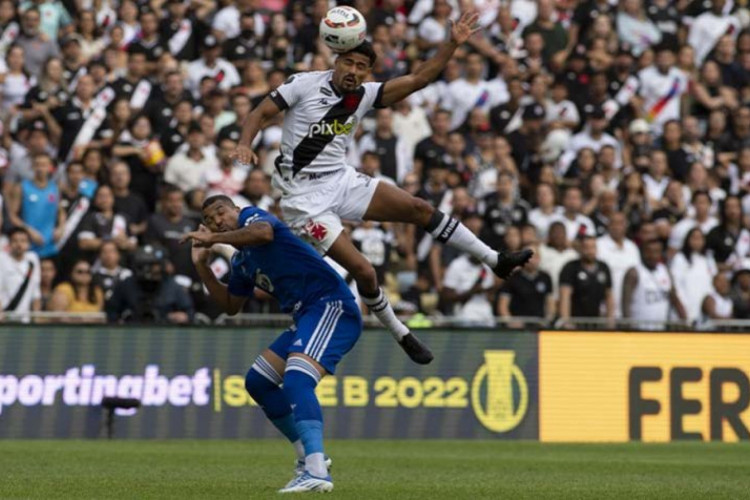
x=320 y=122
x=651 y=296
x=287 y=268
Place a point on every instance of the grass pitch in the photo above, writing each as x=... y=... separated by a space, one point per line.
x=392 y=470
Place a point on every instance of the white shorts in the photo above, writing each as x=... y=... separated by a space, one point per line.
x=313 y=205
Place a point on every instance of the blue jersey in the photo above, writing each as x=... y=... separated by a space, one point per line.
x=39 y=210
x=287 y=268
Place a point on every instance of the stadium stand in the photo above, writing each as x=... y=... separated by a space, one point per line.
x=562 y=124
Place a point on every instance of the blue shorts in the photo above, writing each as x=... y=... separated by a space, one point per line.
x=325 y=332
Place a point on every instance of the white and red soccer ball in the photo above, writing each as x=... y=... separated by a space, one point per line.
x=343 y=28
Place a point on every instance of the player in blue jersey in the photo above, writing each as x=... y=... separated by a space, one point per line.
x=327 y=322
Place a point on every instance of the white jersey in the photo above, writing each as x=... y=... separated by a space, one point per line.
x=650 y=300
x=661 y=95
x=320 y=122
x=14 y=274
x=723 y=307
x=619 y=259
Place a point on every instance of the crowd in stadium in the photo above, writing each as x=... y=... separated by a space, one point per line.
x=610 y=137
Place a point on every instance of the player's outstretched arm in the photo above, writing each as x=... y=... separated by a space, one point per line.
x=256 y=234
x=266 y=110
x=219 y=292
x=398 y=88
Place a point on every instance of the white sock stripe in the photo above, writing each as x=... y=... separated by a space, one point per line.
x=439 y=229
x=263 y=373
x=326 y=335
x=317 y=339
x=371 y=301
x=322 y=349
x=310 y=374
x=321 y=323
x=270 y=374
x=267 y=368
x=304 y=366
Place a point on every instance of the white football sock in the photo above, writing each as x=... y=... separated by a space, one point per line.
x=451 y=232
x=381 y=308
x=299 y=449
x=315 y=464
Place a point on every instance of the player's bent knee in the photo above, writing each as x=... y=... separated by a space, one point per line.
x=260 y=377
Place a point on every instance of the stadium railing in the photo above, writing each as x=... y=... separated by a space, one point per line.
x=415 y=322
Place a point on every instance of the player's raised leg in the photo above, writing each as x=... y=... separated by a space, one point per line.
x=346 y=254
x=392 y=204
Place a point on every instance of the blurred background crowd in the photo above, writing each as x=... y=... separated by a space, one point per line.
x=608 y=136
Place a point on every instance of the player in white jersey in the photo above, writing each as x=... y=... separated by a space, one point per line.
x=648 y=290
x=318 y=189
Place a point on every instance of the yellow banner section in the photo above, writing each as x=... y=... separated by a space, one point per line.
x=604 y=387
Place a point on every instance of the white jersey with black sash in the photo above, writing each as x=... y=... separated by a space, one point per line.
x=320 y=121
x=20 y=283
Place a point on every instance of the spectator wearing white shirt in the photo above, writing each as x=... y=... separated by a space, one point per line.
x=395 y=158
x=709 y=27
x=593 y=137
x=226 y=22
x=226 y=177
x=467 y=284
x=555 y=254
x=546 y=210
x=656 y=180
x=211 y=65
x=20 y=291
x=693 y=272
x=410 y=123
x=701 y=202
x=186 y=169
x=576 y=224
x=561 y=112
x=662 y=88
x=634 y=28
x=434 y=29
x=472 y=91
x=718 y=304
x=619 y=253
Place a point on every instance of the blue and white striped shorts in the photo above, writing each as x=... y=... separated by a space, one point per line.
x=325 y=331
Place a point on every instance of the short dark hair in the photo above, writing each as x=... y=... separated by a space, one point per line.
x=697 y=194
x=16 y=230
x=364 y=48
x=370 y=154
x=218 y=198
x=167 y=189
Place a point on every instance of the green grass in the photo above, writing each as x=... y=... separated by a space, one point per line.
x=392 y=470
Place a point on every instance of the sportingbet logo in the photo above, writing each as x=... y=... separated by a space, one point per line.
x=85 y=387
x=333 y=128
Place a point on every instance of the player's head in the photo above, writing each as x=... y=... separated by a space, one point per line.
x=352 y=67
x=220 y=213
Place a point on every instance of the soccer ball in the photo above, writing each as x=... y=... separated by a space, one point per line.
x=343 y=28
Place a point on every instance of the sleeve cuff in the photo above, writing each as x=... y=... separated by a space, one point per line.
x=277 y=98
x=378 y=104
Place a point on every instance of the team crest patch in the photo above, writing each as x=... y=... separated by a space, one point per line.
x=351 y=101
x=316 y=230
